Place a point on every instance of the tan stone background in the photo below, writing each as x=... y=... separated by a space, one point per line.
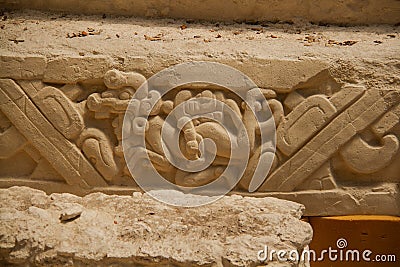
x=299 y=63
x=323 y=11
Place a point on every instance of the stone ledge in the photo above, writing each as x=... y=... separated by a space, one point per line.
x=67 y=69
x=37 y=229
x=277 y=56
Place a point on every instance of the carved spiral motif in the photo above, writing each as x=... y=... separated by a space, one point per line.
x=204 y=144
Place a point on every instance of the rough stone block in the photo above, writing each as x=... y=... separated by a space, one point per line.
x=102 y=230
x=22 y=67
x=73 y=70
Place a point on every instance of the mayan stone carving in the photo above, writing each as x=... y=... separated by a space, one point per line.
x=333 y=141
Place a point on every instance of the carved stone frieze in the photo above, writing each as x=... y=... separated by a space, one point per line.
x=336 y=143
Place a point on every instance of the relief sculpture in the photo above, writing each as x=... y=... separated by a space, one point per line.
x=68 y=137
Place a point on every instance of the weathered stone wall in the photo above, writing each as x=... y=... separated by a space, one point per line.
x=334 y=92
x=318 y=11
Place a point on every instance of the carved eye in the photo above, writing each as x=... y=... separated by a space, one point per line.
x=140 y=123
x=113 y=77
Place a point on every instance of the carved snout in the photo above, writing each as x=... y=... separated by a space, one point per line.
x=115 y=79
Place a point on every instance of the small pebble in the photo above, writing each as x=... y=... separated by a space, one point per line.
x=71 y=213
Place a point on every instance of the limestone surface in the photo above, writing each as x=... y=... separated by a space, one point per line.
x=66 y=81
x=139 y=231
